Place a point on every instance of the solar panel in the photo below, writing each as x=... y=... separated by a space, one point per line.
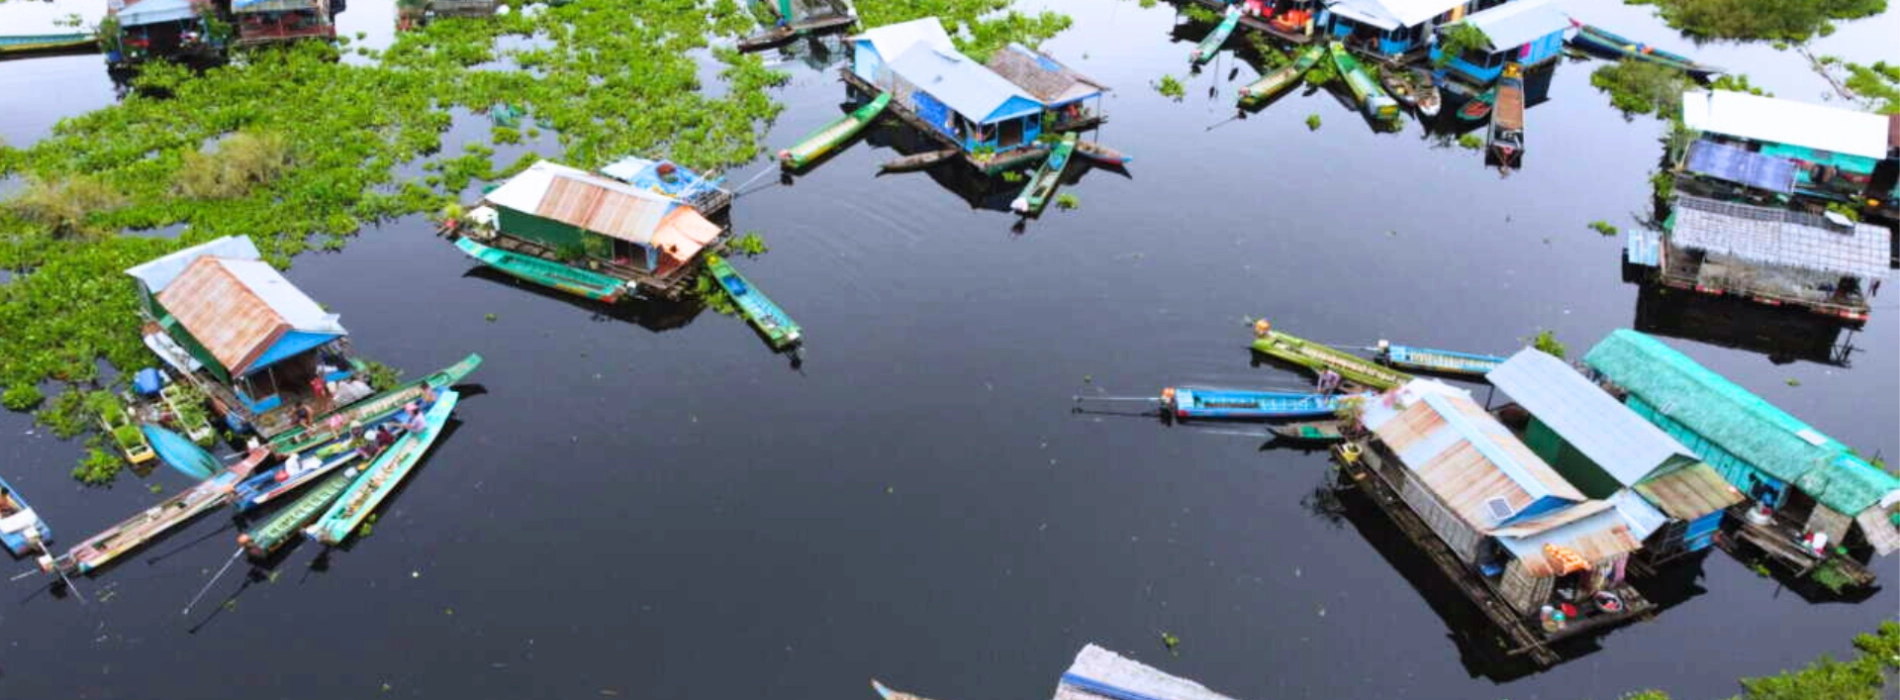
x=1500 y=508
x=1737 y=165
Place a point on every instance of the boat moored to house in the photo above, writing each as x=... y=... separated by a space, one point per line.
x=1076 y=99
x=236 y=328
x=1529 y=33
x=142 y=30
x=1395 y=31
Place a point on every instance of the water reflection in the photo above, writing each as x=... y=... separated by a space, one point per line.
x=1784 y=336
x=657 y=316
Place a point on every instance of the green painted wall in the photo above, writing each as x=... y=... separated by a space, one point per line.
x=1582 y=473
x=553 y=234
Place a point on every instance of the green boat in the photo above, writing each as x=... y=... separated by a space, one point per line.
x=281 y=526
x=547 y=273
x=1037 y=193
x=1310 y=431
x=372 y=484
x=1317 y=357
x=1275 y=82
x=1372 y=98
x=370 y=410
x=778 y=328
x=1211 y=44
x=29 y=43
x=823 y=140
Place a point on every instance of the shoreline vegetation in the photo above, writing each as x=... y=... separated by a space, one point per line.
x=1877 y=659
x=1760 y=20
x=300 y=151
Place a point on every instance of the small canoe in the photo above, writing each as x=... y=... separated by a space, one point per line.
x=1399 y=84
x=1275 y=82
x=138 y=530
x=372 y=409
x=1309 y=431
x=180 y=453
x=918 y=161
x=1211 y=44
x=786 y=32
x=275 y=531
x=1506 y=139
x=1042 y=186
x=832 y=135
x=20 y=528
x=547 y=273
x=1418 y=359
x=1317 y=357
x=30 y=43
x=295 y=471
x=373 y=483
x=772 y=322
x=1102 y=154
x=1429 y=99
x=1372 y=98
x=1478 y=107
x=1203 y=402
x=1606 y=43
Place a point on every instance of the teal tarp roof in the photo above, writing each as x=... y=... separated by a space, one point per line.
x=1740 y=422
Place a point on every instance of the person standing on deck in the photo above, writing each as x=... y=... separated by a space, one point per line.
x=1328 y=382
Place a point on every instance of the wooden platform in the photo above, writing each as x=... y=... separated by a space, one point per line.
x=993 y=165
x=669 y=287
x=1262 y=25
x=1779 y=544
x=1524 y=638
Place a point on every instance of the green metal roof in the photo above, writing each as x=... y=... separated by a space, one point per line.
x=1740 y=422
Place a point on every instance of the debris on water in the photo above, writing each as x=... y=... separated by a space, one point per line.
x=1170 y=641
x=415 y=574
x=609 y=693
x=1794 y=382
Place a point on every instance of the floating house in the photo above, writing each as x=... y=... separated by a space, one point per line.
x=1395 y=30
x=1529 y=33
x=704 y=193
x=1609 y=452
x=627 y=232
x=144 y=29
x=1803 y=481
x=1835 y=151
x=231 y=324
x=1768 y=255
x=1504 y=525
x=1072 y=96
x=275 y=21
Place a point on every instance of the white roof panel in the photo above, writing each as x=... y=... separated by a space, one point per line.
x=1515 y=24
x=159 y=272
x=1742 y=115
x=892 y=40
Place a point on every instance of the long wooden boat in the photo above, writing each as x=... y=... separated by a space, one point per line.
x=790 y=29
x=1204 y=402
x=21 y=529
x=1479 y=107
x=777 y=326
x=918 y=161
x=1418 y=359
x=1372 y=98
x=1042 y=186
x=1398 y=83
x=1275 y=82
x=136 y=531
x=282 y=526
x=1507 y=118
x=1430 y=99
x=1102 y=154
x=1317 y=357
x=1606 y=43
x=376 y=481
x=823 y=140
x=1210 y=45
x=295 y=471
x=1309 y=431
x=370 y=410
x=30 y=43
x=547 y=273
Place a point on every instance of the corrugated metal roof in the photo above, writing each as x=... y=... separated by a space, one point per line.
x=1776 y=236
x=966 y=86
x=892 y=40
x=1562 y=516
x=1586 y=417
x=1462 y=454
x=1689 y=492
x=1100 y=674
x=578 y=198
x=1776 y=120
x=1597 y=538
x=157 y=273
x=238 y=309
x=1725 y=162
x=245 y=6
x=1042 y=76
x=1515 y=24
x=143 y=12
x=1391 y=14
x=1643 y=517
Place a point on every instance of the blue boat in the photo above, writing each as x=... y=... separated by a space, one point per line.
x=372 y=484
x=1203 y=402
x=778 y=327
x=20 y=528
x=1451 y=362
x=297 y=470
x=181 y=453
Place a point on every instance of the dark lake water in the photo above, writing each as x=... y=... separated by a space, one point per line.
x=652 y=504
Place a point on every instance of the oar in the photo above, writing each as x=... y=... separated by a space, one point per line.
x=62 y=575
x=214 y=579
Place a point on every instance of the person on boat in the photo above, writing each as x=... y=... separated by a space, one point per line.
x=302 y=415
x=385 y=437
x=1328 y=382
x=1261 y=328
x=413 y=422
x=319 y=390
x=8 y=506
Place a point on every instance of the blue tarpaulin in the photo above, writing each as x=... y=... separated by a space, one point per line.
x=1737 y=165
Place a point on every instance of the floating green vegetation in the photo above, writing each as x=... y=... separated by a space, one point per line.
x=1171 y=88
x=749 y=244
x=1197 y=13
x=1470 y=142
x=715 y=297
x=979 y=26
x=380 y=376
x=1458 y=39
x=1312 y=122
x=1875 y=87
x=1547 y=343
x=1013 y=176
x=1068 y=200
x=97 y=467
x=1322 y=73
x=239 y=163
x=1737 y=82
x=1851 y=212
x=1863 y=678
x=1786 y=20
x=1640 y=87
x=1603 y=227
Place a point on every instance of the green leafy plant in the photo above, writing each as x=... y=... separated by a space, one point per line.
x=1312 y=122
x=1068 y=200
x=1780 y=20
x=1546 y=342
x=749 y=244
x=1640 y=87
x=1470 y=142
x=1603 y=227
x=1171 y=88
x=98 y=467
x=1457 y=40
x=242 y=161
x=381 y=377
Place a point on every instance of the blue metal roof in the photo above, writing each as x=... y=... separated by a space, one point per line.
x=966 y=86
x=1738 y=165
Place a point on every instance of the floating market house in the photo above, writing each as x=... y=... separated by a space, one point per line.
x=1802 y=480
x=1768 y=255
x=1074 y=98
x=628 y=232
x=1609 y=452
x=946 y=90
x=1834 y=151
x=147 y=29
x=235 y=327
x=1394 y=30
x=273 y=21
x=1529 y=33
x=1505 y=526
